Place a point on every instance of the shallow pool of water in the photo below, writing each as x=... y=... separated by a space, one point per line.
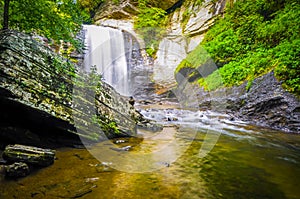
x=239 y=161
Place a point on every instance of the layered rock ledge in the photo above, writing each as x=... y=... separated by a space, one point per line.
x=44 y=99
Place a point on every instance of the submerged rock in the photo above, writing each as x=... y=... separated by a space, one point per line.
x=28 y=154
x=125 y=148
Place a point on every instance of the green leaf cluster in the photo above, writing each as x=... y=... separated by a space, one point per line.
x=55 y=19
x=150 y=24
x=89 y=6
x=253 y=38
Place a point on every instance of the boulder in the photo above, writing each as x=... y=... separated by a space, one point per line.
x=18 y=169
x=29 y=154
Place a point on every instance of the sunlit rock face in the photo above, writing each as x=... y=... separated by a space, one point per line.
x=188 y=22
x=187 y=27
x=172 y=50
x=43 y=99
x=126 y=9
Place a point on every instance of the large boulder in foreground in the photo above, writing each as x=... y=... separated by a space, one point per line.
x=44 y=100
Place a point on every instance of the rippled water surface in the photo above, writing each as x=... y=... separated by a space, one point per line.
x=244 y=162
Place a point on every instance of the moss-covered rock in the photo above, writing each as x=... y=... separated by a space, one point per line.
x=44 y=99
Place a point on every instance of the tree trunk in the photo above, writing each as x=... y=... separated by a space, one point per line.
x=6 y=14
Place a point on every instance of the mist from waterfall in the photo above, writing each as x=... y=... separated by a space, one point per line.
x=106 y=52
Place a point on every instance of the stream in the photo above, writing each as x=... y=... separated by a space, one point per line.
x=245 y=162
x=198 y=154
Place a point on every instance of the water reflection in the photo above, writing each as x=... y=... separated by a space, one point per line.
x=155 y=151
x=246 y=162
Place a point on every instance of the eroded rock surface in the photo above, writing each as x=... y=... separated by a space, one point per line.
x=43 y=99
x=186 y=29
x=126 y=9
x=18 y=169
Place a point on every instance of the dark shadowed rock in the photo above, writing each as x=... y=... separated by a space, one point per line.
x=18 y=169
x=267 y=103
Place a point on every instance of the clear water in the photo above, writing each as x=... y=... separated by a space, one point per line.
x=246 y=162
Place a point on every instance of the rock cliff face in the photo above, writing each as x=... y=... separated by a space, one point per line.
x=188 y=22
x=187 y=27
x=126 y=9
x=44 y=100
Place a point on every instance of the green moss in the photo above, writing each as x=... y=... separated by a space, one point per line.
x=211 y=82
x=194 y=59
x=183 y=64
x=185 y=18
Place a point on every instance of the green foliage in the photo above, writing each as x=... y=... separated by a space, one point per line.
x=150 y=23
x=89 y=6
x=211 y=82
x=116 y=1
x=199 y=2
x=194 y=59
x=185 y=18
x=253 y=38
x=1 y=13
x=288 y=70
x=58 y=20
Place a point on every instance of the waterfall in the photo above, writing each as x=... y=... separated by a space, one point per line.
x=106 y=52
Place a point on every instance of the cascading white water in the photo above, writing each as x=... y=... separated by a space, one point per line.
x=106 y=51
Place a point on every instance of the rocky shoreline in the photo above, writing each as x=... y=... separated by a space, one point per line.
x=265 y=103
